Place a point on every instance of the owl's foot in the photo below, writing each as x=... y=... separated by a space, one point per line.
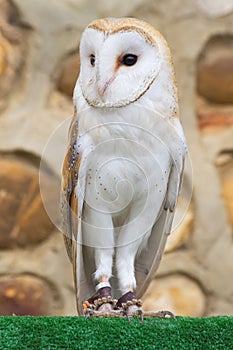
x=130 y=306
x=101 y=304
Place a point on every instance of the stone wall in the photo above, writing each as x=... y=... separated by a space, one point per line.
x=38 y=68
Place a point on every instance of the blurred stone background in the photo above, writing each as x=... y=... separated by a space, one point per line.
x=38 y=68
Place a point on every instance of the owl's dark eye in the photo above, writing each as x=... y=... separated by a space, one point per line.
x=129 y=59
x=92 y=60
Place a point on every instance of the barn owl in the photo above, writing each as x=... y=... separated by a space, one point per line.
x=122 y=171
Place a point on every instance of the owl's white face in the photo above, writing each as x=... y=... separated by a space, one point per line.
x=118 y=68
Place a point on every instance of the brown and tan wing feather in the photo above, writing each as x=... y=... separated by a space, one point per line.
x=69 y=201
x=80 y=255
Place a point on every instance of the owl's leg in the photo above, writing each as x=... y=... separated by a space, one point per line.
x=103 y=262
x=125 y=258
x=99 y=233
x=132 y=237
x=125 y=268
x=128 y=302
x=129 y=243
x=101 y=303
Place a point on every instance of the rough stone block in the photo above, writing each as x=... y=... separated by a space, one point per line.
x=13 y=41
x=24 y=295
x=213 y=118
x=225 y=166
x=69 y=75
x=23 y=219
x=175 y=293
x=214 y=70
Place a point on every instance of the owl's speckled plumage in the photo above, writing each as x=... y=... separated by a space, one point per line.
x=123 y=168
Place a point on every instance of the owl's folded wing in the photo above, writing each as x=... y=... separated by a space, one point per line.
x=148 y=261
x=69 y=201
x=81 y=257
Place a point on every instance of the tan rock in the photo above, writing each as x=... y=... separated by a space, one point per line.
x=117 y=6
x=12 y=50
x=69 y=75
x=24 y=295
x=213 y=123
x=62 y=102
x=223 y=158
x=220 y=307
x=227 y=191
x=2 y=56
x=214 y=70
x=10 y=23
x=176 y=293
x=23 y=219
x=215 y=8
x=212 y=117
x=225 y=166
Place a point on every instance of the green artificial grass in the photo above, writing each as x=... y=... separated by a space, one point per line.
x=28 y=332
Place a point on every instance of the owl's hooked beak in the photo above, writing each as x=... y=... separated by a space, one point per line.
x=101 y=88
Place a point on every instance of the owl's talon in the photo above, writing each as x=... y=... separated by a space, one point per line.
x=140 y=314
x=160 y=314
x=88 y=314
x=86 y=305
x=168 y=313
x=126 y=313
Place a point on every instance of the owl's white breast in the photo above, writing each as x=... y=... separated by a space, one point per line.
x=126 y=157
